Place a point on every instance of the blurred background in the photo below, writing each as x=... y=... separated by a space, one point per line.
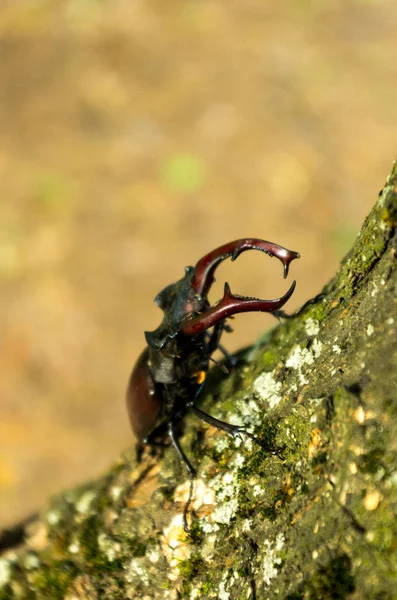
x=137 y=135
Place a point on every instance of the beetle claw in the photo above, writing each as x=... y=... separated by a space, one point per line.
x=232 y=304
x=203 y=278
x=204 y=270
x=237 y=434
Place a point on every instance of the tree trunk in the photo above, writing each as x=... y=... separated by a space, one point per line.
x=315 y=518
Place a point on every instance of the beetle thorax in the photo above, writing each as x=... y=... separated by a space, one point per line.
x=179 y=360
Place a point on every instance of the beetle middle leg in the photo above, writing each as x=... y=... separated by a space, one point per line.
x=213 y=345
x=230 y=359
x=234 y=430
x=190 y=469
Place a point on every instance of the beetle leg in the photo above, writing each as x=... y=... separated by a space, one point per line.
x=213 y=341
x=231 y=360
x=280 y=314
x=234 y=430
x=213 y=344
x=230 y=305
x=314 y=300
x=204 y=270
x=190 y=469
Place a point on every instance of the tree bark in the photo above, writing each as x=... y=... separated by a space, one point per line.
x=315 y=518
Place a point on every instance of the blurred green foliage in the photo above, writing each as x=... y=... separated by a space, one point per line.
x=184 y=173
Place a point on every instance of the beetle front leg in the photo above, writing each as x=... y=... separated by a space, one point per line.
x=231 y=360
x=213 y=345
x=214 y=337
x=280 y=314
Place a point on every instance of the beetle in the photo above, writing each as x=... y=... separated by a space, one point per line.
x=171 y=371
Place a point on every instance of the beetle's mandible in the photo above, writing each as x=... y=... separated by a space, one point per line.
x=169 y=374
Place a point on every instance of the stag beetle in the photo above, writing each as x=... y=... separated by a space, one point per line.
x=170 y=373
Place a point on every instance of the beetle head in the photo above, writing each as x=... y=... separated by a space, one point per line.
x=177 y=301
x=184 y=303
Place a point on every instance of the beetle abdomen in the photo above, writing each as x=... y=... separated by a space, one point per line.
x=143 y=403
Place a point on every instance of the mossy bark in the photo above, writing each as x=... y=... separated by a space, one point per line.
x=314 y=518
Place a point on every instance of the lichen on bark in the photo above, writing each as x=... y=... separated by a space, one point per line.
x=312 y=517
